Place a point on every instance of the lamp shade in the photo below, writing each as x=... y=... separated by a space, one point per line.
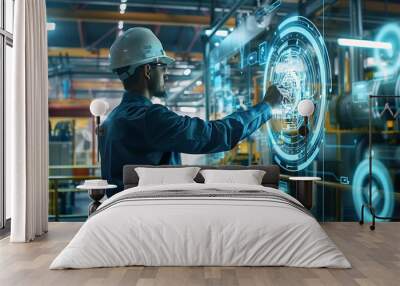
x=305 y=107
x=98 y=107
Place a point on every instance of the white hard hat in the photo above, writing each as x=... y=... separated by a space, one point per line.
x=135 y=47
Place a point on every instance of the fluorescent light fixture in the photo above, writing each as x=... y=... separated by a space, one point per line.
x=188 y=109
x=187 y=71
x=199 y=82
x=181 y=66
x=364 y=44
x=175 y=89
x=51 y=26
x=120 y=25
x=122 y=6
x=123 y=1
x=219 y=33
x=184 y=83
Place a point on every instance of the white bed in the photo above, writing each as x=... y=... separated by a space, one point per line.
x=268 y=228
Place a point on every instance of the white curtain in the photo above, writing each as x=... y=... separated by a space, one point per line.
x=27 y=124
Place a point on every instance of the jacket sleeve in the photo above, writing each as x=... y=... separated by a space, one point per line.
x=167 y=131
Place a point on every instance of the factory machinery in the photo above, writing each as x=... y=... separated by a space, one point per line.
x=296 y=53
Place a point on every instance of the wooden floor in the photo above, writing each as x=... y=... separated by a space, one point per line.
x=375 y=257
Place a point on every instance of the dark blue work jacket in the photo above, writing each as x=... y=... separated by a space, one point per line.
x=140 y=132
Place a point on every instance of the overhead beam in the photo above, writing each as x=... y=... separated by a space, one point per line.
x=78 y=52
x=133 y=18
x=225 y=19
x=96 y=85
x=382 y=6
x=197 y=32
x=104 y=53
x=102 y=38
x=375 y=6
x=312 y=7
x=190 y=6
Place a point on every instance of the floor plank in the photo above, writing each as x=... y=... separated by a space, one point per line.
x=375 y=257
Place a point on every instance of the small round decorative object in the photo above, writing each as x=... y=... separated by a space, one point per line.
x=98 y=107
x=305 y=107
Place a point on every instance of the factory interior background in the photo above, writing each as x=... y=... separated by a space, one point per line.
x=308 y=47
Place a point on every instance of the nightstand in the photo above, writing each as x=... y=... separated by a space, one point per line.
x=96 y=190
x=304 y=189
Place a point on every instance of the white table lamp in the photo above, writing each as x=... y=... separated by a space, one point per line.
x=306 y=109
x=98 y=107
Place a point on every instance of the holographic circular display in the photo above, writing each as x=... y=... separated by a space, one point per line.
x=297 y=61
x=382 y=189
x=388 y=60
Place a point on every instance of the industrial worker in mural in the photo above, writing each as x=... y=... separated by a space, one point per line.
x=140 y=132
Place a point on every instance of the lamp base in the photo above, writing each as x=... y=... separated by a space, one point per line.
x=96 y=195
x=303 y=131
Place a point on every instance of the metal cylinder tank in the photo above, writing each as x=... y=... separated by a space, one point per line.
x=352 y=111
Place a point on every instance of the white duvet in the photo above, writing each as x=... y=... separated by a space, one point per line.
x=200 y=231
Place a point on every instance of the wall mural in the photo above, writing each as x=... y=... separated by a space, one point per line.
x=293 y=52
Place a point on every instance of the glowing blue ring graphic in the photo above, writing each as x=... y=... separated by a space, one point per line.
x=298 y=47
x=381 y=176
x=388 y=33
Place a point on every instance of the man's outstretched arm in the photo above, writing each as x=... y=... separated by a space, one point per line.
x=168 y=131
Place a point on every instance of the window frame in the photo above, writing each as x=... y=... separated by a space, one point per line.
x=6 y=39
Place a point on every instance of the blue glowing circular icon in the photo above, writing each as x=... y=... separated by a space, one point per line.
x=297 y=61
x=382 y=189
x=388 y=60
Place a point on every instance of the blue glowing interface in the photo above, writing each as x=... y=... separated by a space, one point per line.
x=293 y=53
x=262 y=53
x=298 y=61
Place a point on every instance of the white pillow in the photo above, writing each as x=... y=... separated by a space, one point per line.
x=248 y=177
x=166 y=176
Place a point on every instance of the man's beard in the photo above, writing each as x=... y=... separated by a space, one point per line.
x=160 y=94
x=157 y=89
